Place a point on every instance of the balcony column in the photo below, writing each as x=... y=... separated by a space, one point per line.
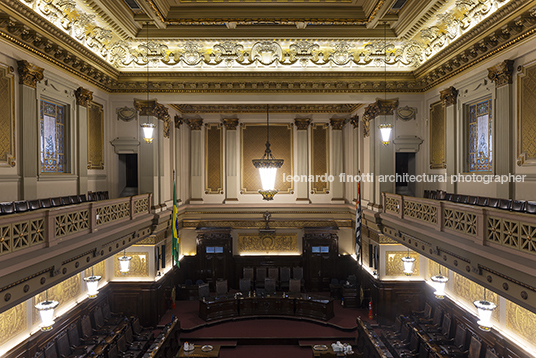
x=29 y=75
x=83 y=97
x=337 y=159
x=302 y=160
x=231 y=159
x=502 y=74
x=449 y=98
x=196 y=160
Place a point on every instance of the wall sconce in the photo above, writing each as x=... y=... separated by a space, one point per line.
x=440 y=282
x=92 y=283
x=485 y=309
x=408 y=264
x=46 y=312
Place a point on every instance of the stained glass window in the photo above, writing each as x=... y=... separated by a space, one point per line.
x=480 y=137
x=52 y=129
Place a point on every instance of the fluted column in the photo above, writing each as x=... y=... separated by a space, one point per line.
x=337 y=149
x=29 y=75
x=449 y=98
x=196 y=160
x=501 y=74
x=83 y=97
x=231 y=160
x=302 y=160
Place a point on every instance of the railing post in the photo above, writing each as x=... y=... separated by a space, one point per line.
x=439 y=216
x=132 y=207
x=150 y=200
x=384 y=210
x=481 y=227
x=50 y=229
x=401 y=207
x=92 y=217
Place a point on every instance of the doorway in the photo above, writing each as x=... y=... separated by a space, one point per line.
x=128 y=175
x=405 y=167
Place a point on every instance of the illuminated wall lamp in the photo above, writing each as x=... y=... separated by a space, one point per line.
x=485 y=309
x=92 y=283
x=46 y=312
x=385 y=131
x=148 y=129
x=440 y=281
x=408 y=264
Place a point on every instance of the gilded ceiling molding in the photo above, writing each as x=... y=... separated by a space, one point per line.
x=195 y=124
x=502 y=73
x=449 y=96
x=178 y=121
x=260 y=108
x=302 y=123
x=337 y=123
x=29 y=74
x=230 y=123
x=83 y=96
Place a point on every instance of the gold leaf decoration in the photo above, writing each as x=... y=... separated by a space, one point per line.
x=99 y=269
x=394 y=265
x=95 y=134
x=433 y=269
x=438 y=138
x=13 y=322
x=319 y=157
x=470 y=291
x=254 y=244
x=213 y=160
x=521 y=321
x=139 y=265
x=64 y=292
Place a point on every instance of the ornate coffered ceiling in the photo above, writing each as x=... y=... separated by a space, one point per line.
x=97 y=41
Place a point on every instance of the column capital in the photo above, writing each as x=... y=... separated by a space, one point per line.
x=355 y=121
x=302 y=123
x=145 y=107
x=230 y=123
x=195 y=124
x=387 y=106
x=337 y=123
x=449 y=96
x=178 y=121
x=83 y=96
x=29 y=73
x=501 y=73
x=161 y=112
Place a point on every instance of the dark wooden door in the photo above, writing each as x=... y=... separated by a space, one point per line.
x=214 y=252
x=320 y=251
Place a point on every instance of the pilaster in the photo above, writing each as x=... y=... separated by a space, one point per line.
x=501 y=74
x=176 y=128
x=385 y=158
x=302 y=160
x=356 y=152
x=83 y=98
x=231 y=160
x=148 y=152
x=449 y=98
x=196 y=159
x=29 y=76
x=337 y=158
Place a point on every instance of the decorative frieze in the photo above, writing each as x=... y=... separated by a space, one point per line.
x=83 y=96
x=29 y=73
x=502 y=73
x=449 y=96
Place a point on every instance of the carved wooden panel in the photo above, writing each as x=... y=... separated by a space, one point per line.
x=438 y=136
x=70 y=223
x=420 y=211
x=252 y=140
x=512 y=233
x=139 y=265
x=213 y=159
x=526 y=116
x=13 y=322
x=7 y=116
x=461 y=221
x=433 y=269
x=95 y=136
x=320 y=157
x=394 y=265
x=267 y=244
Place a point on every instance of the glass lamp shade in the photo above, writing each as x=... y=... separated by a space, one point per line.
x=268 y=170
x=385 y=131
x=148 y=129
x=440 y=282
x=124 y=264
x=485 y=309
x=46 y=311
x=92 y=283
x=408 y=265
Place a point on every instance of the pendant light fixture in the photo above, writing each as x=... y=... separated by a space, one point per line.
x=440 y=281
x=46 y=312
x=268 y=166
x=92 y=283
x=485 y=309
x=385 y=128
x=408 y=264
x=148 y=126
x=124 y=263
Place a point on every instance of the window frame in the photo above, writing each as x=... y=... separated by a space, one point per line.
x=466 y=133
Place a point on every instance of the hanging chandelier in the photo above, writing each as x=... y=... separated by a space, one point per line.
x=124 y=263
x=92 y=283
x=46 y=312
x=440 y=282
x=148 y=126
x=485 y=309
x=268 y=166
x=385 y=128
x=408 y=264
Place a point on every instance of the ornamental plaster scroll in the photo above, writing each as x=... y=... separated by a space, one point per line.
x=81 y=23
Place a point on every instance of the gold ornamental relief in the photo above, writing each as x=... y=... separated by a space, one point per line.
x=471 y=291
x=394 y=265
x=521 y=321
x=526 y=118
x=273 y=244
x=13 y=322
x=438 y=136
x=64 y=292
x=95 y=136
x=7 y=116
x=433 y=269
x=139 y=265
x=99 y=269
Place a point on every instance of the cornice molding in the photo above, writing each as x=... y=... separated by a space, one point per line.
x=260 y=108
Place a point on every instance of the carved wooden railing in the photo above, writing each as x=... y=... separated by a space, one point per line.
x=46 y=227
x=484 y=225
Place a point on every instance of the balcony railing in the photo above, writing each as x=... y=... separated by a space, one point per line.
x=47 y=227
x=484 y=225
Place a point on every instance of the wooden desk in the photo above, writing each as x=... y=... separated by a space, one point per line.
x=302 y=305
x=197 y=352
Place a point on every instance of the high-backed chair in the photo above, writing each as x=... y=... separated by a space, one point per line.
x=34 y=204
x=459 y=345
x=530 y=207
x=449 y=197
x=472 y=200
x=203 y=290
x=245 y=286
x=436 y=323
x=273 y=272
x=426 y=194
x=294 y=285
x=50 y=350
x=75 y=199
x=482 y=201
x=112 y=352
x=444 y=334
x=504 y=204
x=7 y=208
x=56 y=202
x=62 y=345
x=284 y=277
x=474 y=348
x=462 y=199
x=441 y=194
x=269 y=285
x=518 y=205
x=66 y=200
x=247 y=272
x=221 y=288
x=141 y=334
x=87 y=332
x=82 y=198
x=490 y=353
x=21 y=206
x=493 y=202
x=260 y=275
x=297 y=272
